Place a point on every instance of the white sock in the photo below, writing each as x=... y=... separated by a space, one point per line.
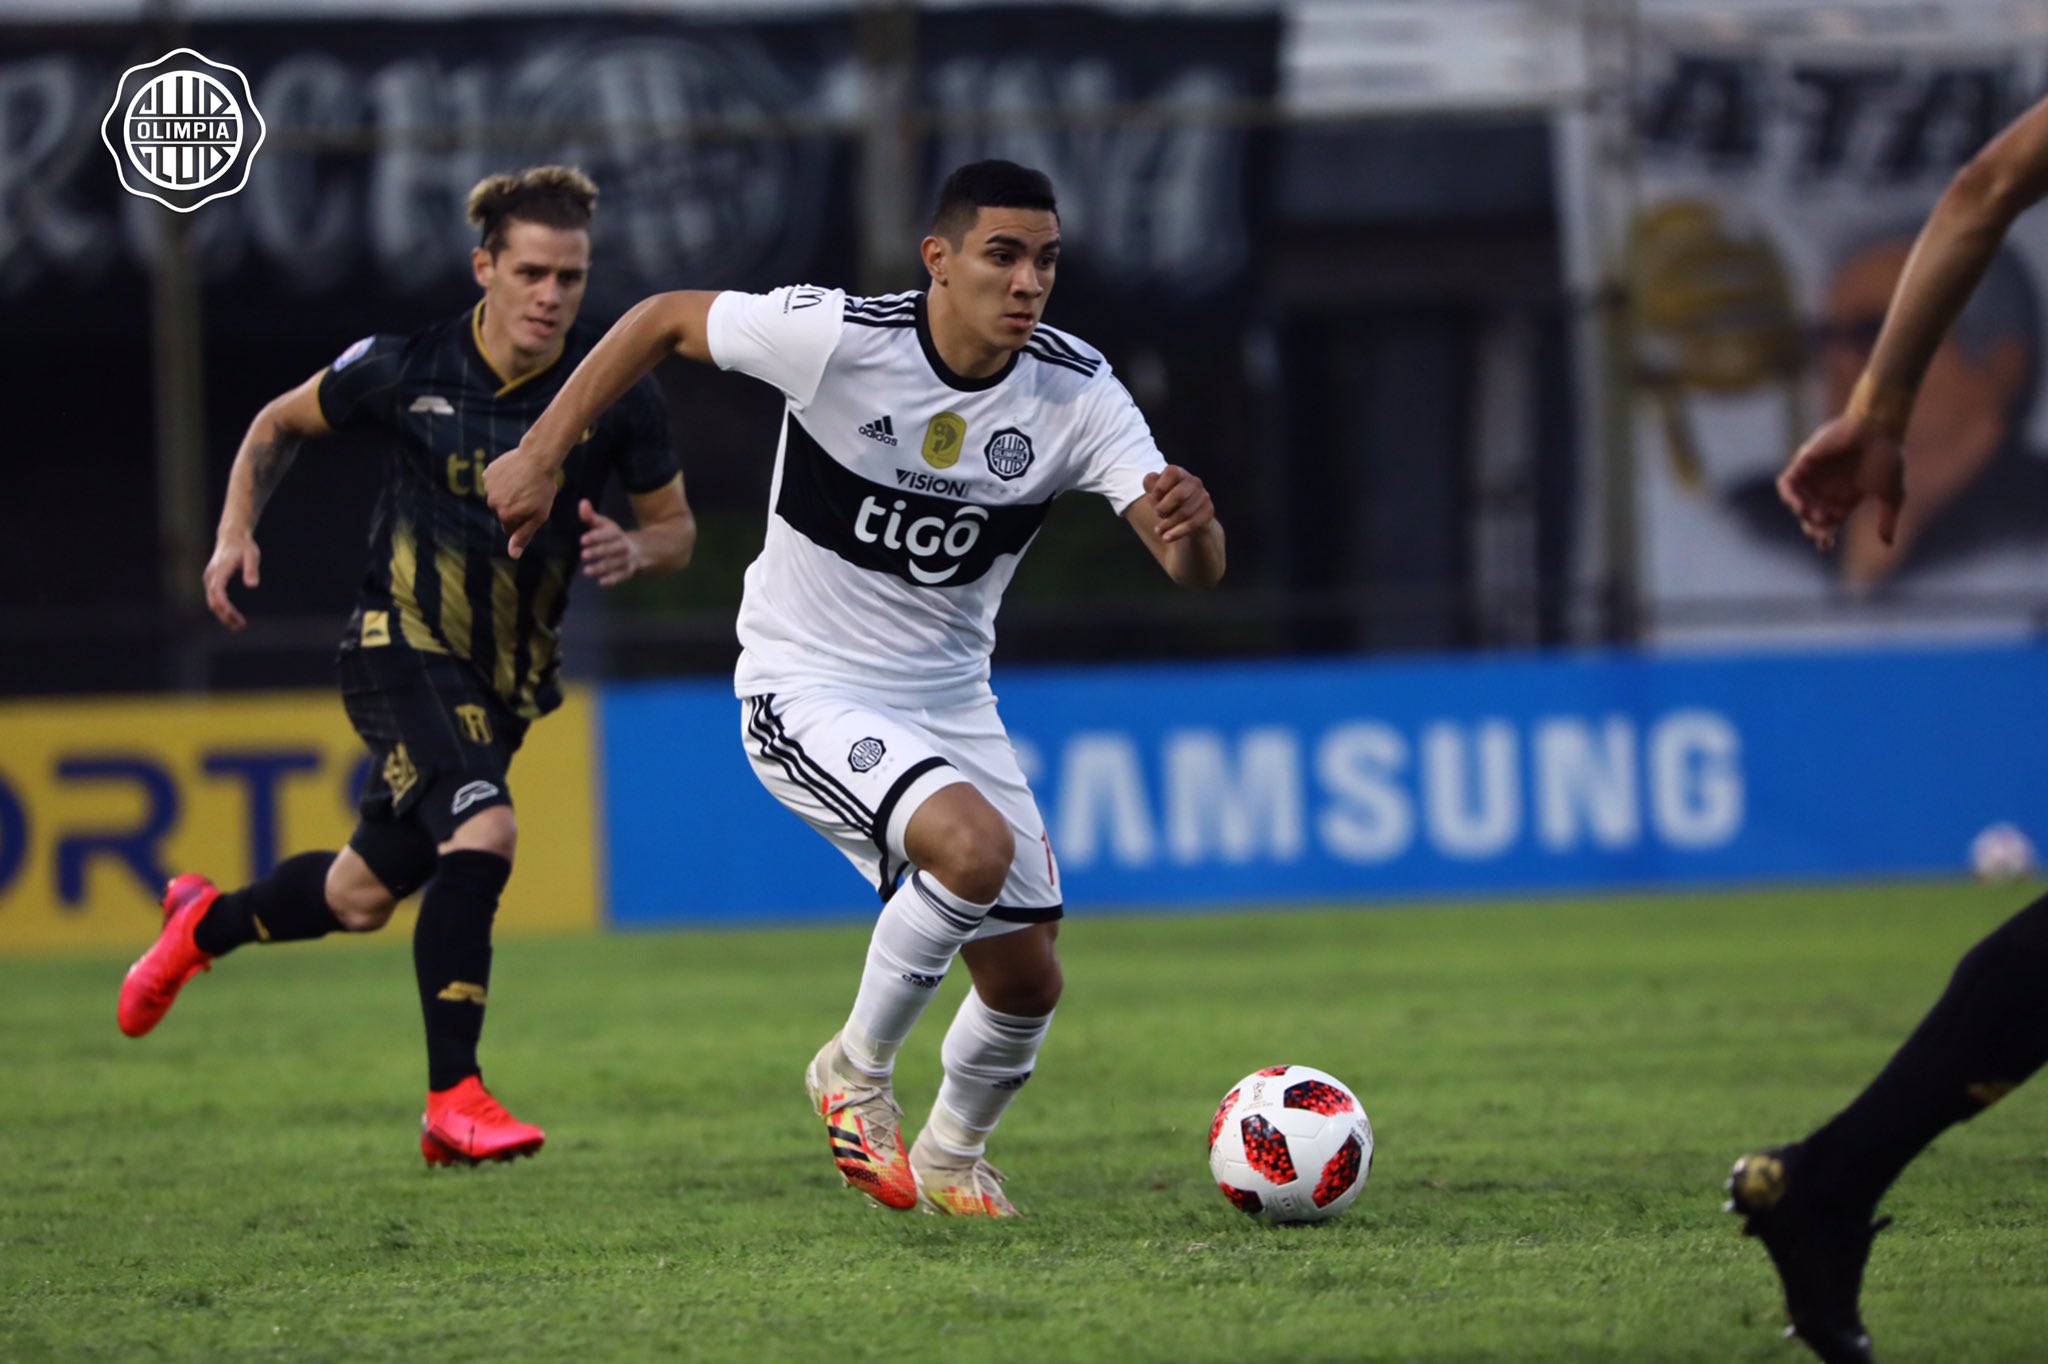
x=915 y=941
x=988 y=1058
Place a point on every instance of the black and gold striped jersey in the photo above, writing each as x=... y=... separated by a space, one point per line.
x=439 y=579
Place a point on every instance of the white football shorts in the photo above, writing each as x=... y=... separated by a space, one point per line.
x=856 y=768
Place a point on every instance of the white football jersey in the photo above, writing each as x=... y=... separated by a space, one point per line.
x=905 y=495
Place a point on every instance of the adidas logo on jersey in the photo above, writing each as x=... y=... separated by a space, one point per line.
x=881 y=429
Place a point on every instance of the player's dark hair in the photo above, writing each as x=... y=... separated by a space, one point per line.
x=988 y=184
x=552 y=196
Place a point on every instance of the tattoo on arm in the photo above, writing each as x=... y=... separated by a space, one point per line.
x=268 y=461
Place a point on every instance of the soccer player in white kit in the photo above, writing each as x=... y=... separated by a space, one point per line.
x=924 y=438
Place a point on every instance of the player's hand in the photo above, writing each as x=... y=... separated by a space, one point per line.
x=1840 y=465
x=232 y=555
x=610 y=553
x=520 y=487
x=1180 y=502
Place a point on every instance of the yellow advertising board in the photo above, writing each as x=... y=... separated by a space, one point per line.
x=102 y=800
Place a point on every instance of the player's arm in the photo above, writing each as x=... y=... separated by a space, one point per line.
x=1859 y=454
x=266 y=452
x=1177 y=521
x=521 y=483
x=662 y=541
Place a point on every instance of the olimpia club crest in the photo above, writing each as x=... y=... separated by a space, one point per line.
x=1008 y=453
x=183 y=130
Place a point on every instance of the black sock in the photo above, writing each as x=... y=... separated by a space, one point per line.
x=289 y=905
x=1986 y=1034
x=451 y=956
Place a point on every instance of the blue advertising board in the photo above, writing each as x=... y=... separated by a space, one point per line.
x=1358 y=779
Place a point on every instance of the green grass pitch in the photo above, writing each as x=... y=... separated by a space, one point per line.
x=1558 y=1089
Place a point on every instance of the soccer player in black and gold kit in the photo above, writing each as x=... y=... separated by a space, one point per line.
x=1813 y=1202
x=453 y=648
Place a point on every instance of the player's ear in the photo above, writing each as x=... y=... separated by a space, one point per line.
x=480 y=265
x=933 y=249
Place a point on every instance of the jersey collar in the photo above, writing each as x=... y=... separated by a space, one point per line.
x=505 y=385
x=942 y=369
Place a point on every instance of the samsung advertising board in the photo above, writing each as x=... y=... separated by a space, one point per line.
x=1354 y=781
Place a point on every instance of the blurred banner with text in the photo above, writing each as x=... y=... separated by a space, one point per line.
x=102 y=801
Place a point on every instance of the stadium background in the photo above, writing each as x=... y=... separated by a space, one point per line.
x=1478 y=318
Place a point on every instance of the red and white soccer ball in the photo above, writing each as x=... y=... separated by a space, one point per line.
x=1291 y=1144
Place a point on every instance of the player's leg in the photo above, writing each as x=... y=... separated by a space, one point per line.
x=960 y=847
x=992 y=1046
x=990 y=1050
x=464 y=1123
x=1812 y=1202
x=859 y=773
x=460 y=740
x=306 y=896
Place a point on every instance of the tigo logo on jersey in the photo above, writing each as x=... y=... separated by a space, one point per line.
x=865 y=754
x=925 y=537
x=943 y=439
x=183 y=130
x=1009 y=453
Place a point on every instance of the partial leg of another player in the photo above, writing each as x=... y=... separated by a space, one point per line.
x=1812 y=1202
x=989 y=1053
x=305 y=897
x=463 y=1124
x=961 y=848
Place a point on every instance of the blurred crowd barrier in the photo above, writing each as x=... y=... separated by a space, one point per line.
x=1254 y=784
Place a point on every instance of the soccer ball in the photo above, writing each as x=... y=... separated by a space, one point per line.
x=2001 y=854
x=1290 y=1144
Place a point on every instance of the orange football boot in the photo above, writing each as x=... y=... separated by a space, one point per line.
x=958 y=1186
x=153 y=982
x=465 y=1126
x=864 y=1125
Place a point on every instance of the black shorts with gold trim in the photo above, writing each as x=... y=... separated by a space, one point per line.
x=441 y=742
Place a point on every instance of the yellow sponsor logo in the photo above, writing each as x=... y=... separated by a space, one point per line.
x=462 y=992
x=476 y=723
x=399 y=773
x=943 y=439
x=1989 y=1092
x=101 y=802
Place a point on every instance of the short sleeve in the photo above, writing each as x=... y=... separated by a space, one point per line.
x=783 y=338
x=1117 y=446
x=360 y=387
x=645 y=456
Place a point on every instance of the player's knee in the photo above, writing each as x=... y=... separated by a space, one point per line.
x=492 y=831
x=359 y=901
x=360 y=909
x=1034 y=995
x=975 y=856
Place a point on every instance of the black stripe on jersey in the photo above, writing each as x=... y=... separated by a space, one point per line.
x=1051 y=358
x=929 y=541
x=776 y=745
x=798 y=777
x=772 y=749
x=1050 y=337
x=789 y=743
x=883 y=303
x=863 y=320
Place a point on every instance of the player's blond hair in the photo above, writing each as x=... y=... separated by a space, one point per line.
x=553 y=196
